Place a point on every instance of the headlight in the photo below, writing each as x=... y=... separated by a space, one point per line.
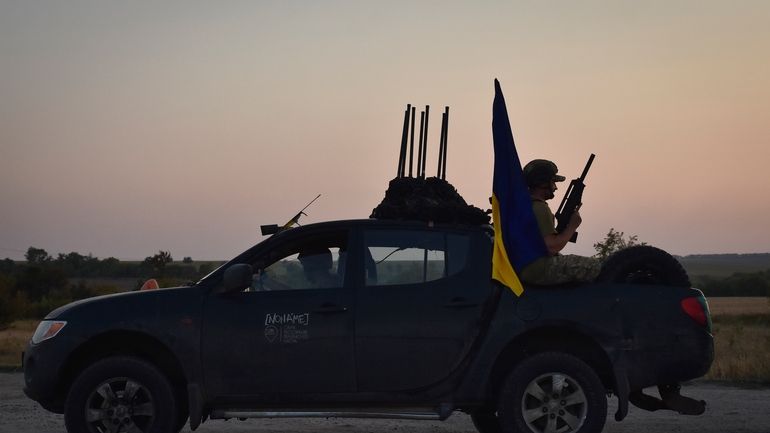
x=47 y=329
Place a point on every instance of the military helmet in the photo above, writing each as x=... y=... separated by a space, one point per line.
x=540 y=171
x=316 y=258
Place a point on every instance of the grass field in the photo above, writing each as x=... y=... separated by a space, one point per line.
x=13 y=340
x=741 y=336
x=741 y=339
x=739 y=306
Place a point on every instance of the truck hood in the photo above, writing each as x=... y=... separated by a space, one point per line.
x=136 y=300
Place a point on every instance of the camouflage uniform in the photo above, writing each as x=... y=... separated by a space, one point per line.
x=557 y=269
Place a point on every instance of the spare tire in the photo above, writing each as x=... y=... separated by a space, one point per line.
x=643 y=264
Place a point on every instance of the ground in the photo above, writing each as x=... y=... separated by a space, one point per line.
x=731 y=409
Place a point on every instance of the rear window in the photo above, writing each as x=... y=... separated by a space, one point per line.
x=396 y=257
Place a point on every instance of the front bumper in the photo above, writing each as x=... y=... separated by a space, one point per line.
x=43 y=377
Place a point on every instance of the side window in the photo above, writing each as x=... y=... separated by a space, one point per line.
x=314 y=262
x=413 y=256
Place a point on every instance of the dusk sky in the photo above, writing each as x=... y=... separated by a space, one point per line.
x=130 y=127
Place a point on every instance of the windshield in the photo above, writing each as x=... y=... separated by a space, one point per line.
x=212 y=273
x=240 y=258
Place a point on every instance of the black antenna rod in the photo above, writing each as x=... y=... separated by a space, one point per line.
x=446 y=141
x=295 y=219
x=404 y=136
x=441 y=145
x=411 y=144
x=419 y=149
x=425 y=141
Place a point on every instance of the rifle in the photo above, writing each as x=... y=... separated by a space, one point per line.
x=572 y=200
x=275 y=228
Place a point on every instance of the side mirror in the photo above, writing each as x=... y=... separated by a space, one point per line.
x=237 y=278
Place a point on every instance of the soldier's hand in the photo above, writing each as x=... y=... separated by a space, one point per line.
x=575 y=220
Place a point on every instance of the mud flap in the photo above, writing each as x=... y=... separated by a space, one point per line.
x=621 y=390
x=195 y=400
x=671 y=399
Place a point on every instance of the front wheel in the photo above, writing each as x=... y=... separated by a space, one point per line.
x=121 y=394
x=552 y=392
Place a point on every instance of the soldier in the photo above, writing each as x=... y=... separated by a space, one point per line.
x=317 y=264
x=541 y=177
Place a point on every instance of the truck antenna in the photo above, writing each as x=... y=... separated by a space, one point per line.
x=275 y=228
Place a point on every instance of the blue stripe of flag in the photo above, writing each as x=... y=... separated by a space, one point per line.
x=520 y=233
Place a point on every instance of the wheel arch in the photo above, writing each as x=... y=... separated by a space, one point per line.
x=555 y=338
x=127 y=343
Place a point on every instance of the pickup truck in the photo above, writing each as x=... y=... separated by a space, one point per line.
x=371 y=318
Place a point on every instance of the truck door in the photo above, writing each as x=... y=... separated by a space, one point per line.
x=291 y=332
x=418 y=306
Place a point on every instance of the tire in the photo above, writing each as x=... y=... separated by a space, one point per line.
x=644 y=264
x=550 y=392
x=124 y=392
x=485 y=421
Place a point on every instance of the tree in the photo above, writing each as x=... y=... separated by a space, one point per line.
x=614 y=242
x=187 y=260
x=71 y=262
x=37 y=256
x=158 y=262
x=110 y=267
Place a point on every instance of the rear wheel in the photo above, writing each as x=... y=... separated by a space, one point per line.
x=552 y=392
x=123 y=394
x=643 y=264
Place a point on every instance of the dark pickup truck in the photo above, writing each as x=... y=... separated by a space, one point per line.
x=370 y=318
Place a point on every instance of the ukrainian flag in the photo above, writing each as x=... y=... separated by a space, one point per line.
x=518 y=241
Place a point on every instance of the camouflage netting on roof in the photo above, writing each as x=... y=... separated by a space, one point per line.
x=430 y=199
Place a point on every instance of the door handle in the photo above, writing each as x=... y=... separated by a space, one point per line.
x=328 y=308
x=460 y=302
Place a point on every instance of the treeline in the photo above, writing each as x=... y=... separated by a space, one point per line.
x=76 y=265
x=737 y=284
x=33 y=288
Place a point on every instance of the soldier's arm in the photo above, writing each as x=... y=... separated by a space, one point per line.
x=556 y=242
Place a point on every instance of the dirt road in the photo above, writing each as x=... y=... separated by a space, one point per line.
x=730 y=410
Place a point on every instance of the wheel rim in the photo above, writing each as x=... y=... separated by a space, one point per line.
x=554 y=403
x=119 y=405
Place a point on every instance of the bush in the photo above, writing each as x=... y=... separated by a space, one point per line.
x=37 y=282
x=614 y=242
x=6 y=301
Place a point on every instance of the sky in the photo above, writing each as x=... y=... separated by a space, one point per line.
x=132 y=127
